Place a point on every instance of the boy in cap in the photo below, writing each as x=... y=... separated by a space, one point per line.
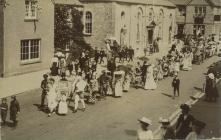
x=176 y=85
x=4 y=110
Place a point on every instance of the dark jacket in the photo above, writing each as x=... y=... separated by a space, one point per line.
x=4 y=108
x=44 y=86
x=111 y=66
x=14 y=109
x=176 y=83
x=170 y=134
x=183 y=126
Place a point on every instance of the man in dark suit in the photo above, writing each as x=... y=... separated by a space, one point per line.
x=144 y=71
x=131 y=54
x=111 y=66
x=184 y=122
x=96 y=55
x=176 y=85
x=45 y=89
x=14 y=110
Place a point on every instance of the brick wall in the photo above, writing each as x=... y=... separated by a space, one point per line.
x=17 y=29
x=102 y=23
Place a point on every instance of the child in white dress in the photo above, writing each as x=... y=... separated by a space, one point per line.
x=63 y=107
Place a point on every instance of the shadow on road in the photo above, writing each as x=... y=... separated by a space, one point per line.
x=198 y=89
x=40 y=109
x=168 y=95
x=131 y=132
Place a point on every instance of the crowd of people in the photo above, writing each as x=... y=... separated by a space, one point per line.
x=80 y=80
x=187 y=127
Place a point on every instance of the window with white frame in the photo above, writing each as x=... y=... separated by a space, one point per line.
x=198 y=29
x=200 y=9
x=30 y=9
x=30 y=50
x=88 y=23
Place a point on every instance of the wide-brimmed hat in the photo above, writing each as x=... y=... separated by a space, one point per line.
x=164 y=121
x=185 y=107
x=211 y=76
x=145 y=120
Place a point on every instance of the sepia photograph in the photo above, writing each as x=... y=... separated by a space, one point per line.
x=110 y=69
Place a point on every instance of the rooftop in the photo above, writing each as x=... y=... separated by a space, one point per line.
x=186 y=2
x=166 y=3
x=180 y=2
x=216 y=2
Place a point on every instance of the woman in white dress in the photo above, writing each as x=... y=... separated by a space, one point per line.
x=144 y=133
x=186 y=61
x=177 y=65
x=63 y=107
x=118 y=88
x=52 y=97
x=126 y=84
x=190 y=59
x=150 y=83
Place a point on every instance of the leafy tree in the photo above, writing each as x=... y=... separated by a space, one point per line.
x=69 y=26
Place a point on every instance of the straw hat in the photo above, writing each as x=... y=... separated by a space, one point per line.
x=164 y=121
x=145 y=121
x=211 y=76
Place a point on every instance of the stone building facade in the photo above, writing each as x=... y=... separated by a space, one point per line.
x=198 y=16
x=131 y=23
x=26 y=35
x=27 y=28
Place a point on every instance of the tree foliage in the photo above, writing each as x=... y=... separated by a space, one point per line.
x=69 y=26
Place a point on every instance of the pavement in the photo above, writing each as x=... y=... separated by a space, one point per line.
x=110 y=119
x=209 y=112
x=20 y=83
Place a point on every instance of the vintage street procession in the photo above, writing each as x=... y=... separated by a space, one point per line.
x=110 y=69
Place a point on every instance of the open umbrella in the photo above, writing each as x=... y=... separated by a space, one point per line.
x=124 y=68
x=144 y=58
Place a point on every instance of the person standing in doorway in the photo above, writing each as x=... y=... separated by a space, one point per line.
x=156 y=45
x=176 y=86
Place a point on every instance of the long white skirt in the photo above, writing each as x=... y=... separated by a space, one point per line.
x=52 y=103
x=185 y=64
x=126 y=85
x=150 y=83
x=177 y=66
x=63 y=107
x=118 y=89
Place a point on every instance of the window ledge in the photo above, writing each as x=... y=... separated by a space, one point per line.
x=87 y=34
x=30 y=62
x=30 y=19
